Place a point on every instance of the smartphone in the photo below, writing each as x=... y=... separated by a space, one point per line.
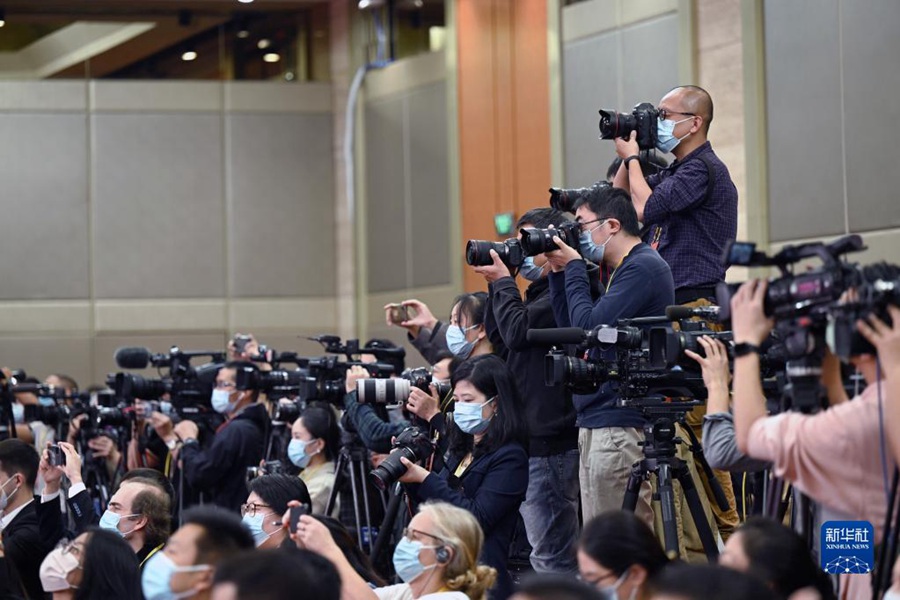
x=296 y=513
x=240 y=343
x=57 y=458
x=399 y=313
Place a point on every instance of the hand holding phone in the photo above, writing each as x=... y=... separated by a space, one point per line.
x=397 y=313
x=56 y=457
x=296 y=513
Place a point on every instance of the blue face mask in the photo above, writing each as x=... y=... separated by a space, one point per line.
x=457 y=342
x=156 y=578
x=18 y=411
x=468 y=417
x=591 y=250
x=297 y=453
x=46 y=401
x=406 y=560
x=221 y=401
x=529 y=270
x=110 y=522
x=255 y=525
x=665 y=137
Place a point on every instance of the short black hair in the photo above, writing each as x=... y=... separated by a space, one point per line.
x=699 y=102
x=612 y=202
x=552 y=586
x=244 y=365
x=278 y=490
x=709 y=582
x=542 y=218
x=278 y=575
x=472 y=305
x=18 y=457
x=155 y=477
x=111 y=568
x=617 y=539
x=224 y=534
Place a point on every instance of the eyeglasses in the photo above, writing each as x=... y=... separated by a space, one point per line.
x=664 y=114
x=224 y=385
x=596 y=581
x=409 y=533
x=249 y=509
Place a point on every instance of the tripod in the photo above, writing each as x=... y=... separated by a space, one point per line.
x=353 y=464
x=659 y=459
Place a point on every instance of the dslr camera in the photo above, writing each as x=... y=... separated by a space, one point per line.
x=413 y=444
x=396 y=391
x=643 y=120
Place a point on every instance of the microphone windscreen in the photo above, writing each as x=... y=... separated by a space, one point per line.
x=675 y=312
x=551 y=337
x=131 y=357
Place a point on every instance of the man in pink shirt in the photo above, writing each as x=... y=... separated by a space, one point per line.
x=835 y=456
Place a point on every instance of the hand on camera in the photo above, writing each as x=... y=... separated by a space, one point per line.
x=885 y=338
x=75 y=427
x=49 y=473
x=163 y=426
x=558 y=259
x=629 y=147
x=748 y=321
x=414 y=473
x=425 y=406
x=354 y=374
x=494 y=271
x=103 y=447
x=72 y=468
x=714 y=365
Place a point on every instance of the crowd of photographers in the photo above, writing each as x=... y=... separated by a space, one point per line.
x=560 y=428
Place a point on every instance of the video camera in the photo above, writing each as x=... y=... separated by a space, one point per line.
x=643 y=119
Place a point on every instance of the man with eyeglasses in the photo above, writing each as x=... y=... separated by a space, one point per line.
x=689 y=209
x=641 y=286
x=220 y=470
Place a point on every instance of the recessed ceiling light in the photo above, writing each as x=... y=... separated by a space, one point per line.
x=271 y=57
x=243 y=34
x=189 y=56
x=263 y=43
x=245 y=1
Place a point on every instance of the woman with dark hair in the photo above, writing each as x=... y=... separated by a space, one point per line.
x=97 y=565
x=486 y=471
x=466 y=336
x=267 y=502
x=775 y=554
x=618 y=554
x=315 y=442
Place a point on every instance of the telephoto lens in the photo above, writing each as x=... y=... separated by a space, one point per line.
x=478 y=253
x=383 y=391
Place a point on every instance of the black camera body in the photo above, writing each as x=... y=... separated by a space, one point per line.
x=413 y=444
x=643 y=119
x=478 y=253
x=539 y=241
x=564 y=199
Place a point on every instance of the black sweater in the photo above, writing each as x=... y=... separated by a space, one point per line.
x=548 y=410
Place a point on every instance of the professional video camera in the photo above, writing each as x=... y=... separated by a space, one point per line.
x=564 y=199
x=396 y=391
x=802 y=305
x=880 y=287
x=413 y=444
x=189 y=388
x=643 y=119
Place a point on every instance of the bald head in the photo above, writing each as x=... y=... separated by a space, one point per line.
x=693 y=99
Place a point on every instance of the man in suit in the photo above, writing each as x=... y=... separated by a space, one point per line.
x=23 y=546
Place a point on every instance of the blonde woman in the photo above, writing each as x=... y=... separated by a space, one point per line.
x=437 y=558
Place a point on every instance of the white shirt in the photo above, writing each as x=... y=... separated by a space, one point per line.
x=75 y=489
x=402 y=592
x=8 y=517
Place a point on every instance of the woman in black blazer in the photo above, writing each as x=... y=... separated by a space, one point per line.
x=486 y=467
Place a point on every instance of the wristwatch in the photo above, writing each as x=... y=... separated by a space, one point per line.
x=744 y=348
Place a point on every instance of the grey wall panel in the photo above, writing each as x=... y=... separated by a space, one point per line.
x=871 y=111
x=806 y=188
x=43 y=355
x=43 y=166
x=159 y=220
x=281 y=178
x=649 y=61
x=386 y=236
x=590 y=82
x=429 y=204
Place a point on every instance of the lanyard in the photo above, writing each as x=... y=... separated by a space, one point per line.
x=616 y=270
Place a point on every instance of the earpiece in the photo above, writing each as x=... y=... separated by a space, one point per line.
x=442 y=554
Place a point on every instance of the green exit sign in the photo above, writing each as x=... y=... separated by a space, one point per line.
x=504 y=223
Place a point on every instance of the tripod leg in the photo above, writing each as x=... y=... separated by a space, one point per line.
x=633 y=488
x=365 y=497
x=338 y=482
x=696 y=507
x=667 y=506
x=356 y=514
x=387 y=525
